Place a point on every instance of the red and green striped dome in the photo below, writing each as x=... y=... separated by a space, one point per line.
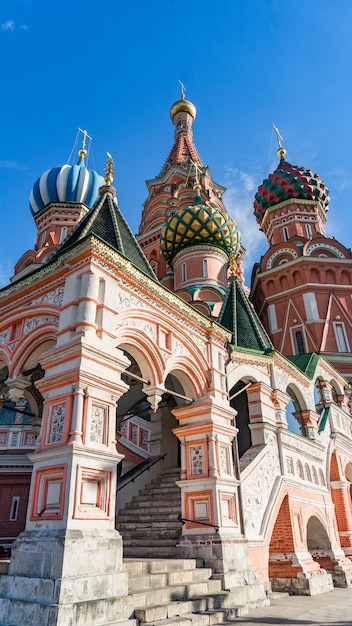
x=199 y=224
x=288 y=182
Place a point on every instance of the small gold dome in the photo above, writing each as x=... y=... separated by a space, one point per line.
x=183 y=105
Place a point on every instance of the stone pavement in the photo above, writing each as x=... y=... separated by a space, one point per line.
x=334 y=608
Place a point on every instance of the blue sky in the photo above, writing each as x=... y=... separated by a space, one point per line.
x=112 y=68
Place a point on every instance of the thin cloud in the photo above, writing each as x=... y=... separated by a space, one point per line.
x=11 y=165
x=6 y=270
x=10 y=25
x=239 y=197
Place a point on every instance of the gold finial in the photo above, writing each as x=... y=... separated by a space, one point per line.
x=232 y=262
x=281 y=151
x=109 y=170
x=82 y=151
x=183 y=90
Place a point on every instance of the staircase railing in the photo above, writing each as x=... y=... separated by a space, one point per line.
x=131 y=476
x=183 y=520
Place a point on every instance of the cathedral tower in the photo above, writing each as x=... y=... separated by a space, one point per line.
x=301 y=288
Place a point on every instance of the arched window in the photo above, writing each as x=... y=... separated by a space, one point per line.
x=205 y=268
x=299 y=342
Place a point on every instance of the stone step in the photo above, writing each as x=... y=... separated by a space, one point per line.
x=176 y=593
x=158 y=507
x=158 y=521
x=129 y=516
x=151 y=543
x=141 y=582
x=205 y=618
x=147 y=552
x=158 y=566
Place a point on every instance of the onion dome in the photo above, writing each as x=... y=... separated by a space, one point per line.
x=288 y=182
x=69 y=183
x=183 y=105
x=199 y=224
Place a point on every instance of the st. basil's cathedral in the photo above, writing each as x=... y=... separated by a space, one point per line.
x=173 y=444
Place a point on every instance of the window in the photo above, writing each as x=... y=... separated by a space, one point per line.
x=43 y=239
x=14 y=508
x=310 y=305
x=308 y=230
x=184 y=272
x=341 y=337
x=272 y=318
x=286 y=234
x=63 y=233
x=299 y=342
x=205 y=268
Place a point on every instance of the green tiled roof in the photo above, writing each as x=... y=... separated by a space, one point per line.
x=106 y=222
x=238 y=316
x=307 y=363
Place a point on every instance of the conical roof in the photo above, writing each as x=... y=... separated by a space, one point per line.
x=106 y=222
x=238 y=316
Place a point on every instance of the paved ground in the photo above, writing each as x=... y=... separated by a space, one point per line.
x=328 y=609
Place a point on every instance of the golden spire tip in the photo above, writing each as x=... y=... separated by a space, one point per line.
x=109 y=170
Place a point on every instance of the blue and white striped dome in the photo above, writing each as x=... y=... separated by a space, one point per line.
x=69 y=183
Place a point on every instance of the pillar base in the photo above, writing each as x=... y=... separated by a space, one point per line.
x=342 y=578
x=303 y=585
x=228 y=557
x=65 y=578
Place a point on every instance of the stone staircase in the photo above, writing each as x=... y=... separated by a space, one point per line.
x=175 y=592
x=165 y=590
x=149 y=524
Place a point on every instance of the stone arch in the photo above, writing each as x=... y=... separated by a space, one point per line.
x=297 y=279
x=318 y=542
x=145 y=353
x=191 y=375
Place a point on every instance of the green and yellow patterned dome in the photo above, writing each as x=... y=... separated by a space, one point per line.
x=199 y=224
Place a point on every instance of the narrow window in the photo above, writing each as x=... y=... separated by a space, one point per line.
x=341 y=337
x=205 y=268
x=43 y=239
x=311 y=307
x=299 y=342
x=308 y=230
x=184 y=272
x=272 y=318
x=286 y=235
x=63 y=233
x=14 y=508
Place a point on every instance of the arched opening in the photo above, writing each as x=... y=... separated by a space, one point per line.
x=318 y=542
x=281 y=546
x=293 y=413
x=239 y=402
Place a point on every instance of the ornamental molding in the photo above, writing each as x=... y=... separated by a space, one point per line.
x=272 y=258
x=257 y=489
x=151 y=289
x=323 y=245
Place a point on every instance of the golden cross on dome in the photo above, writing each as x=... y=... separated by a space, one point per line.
x=82 y=151
x=278 y=135
x=85 y=137
x=183 y=90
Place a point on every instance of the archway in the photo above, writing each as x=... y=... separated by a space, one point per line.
x=239 y=402
x=318 y=542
